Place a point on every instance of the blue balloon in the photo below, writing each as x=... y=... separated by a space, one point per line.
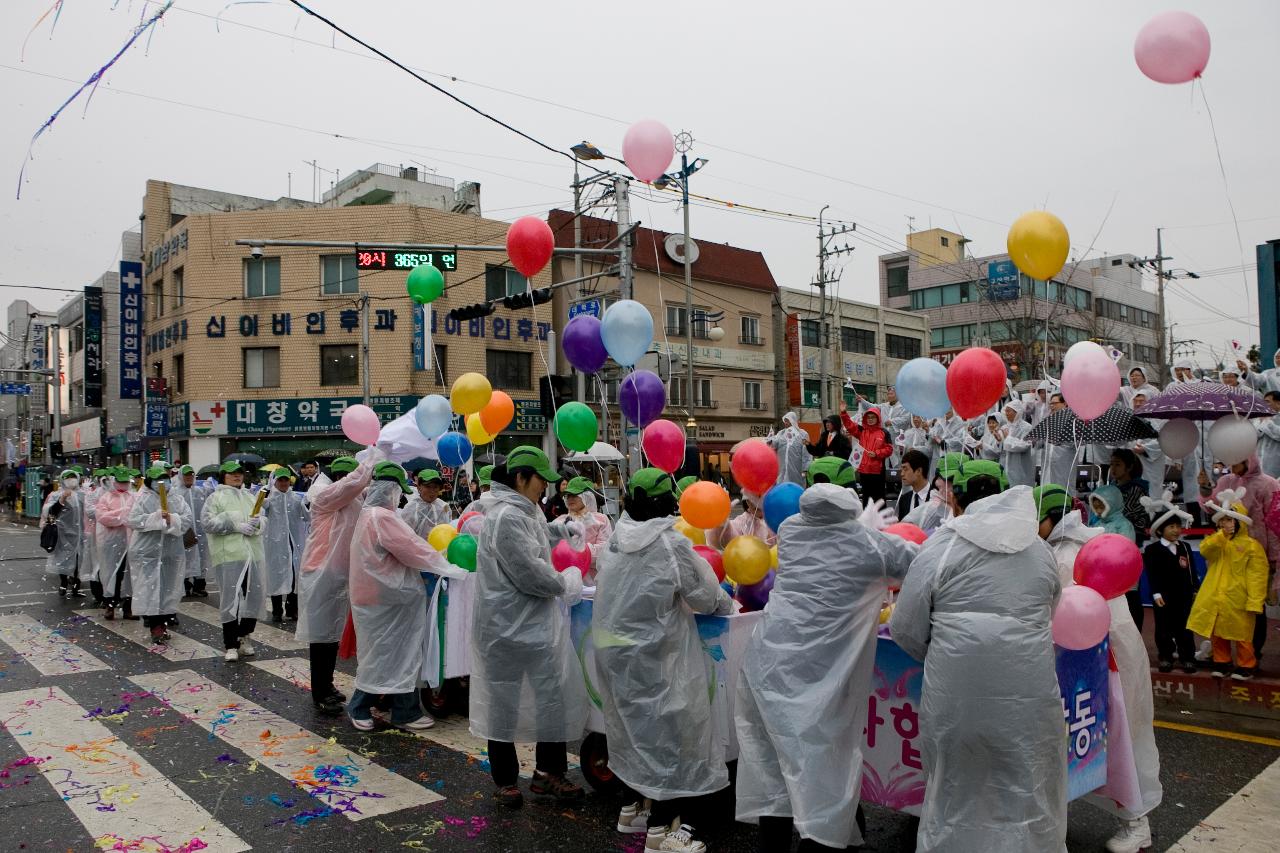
x=454 y=449
x=434 y=415
x=780 y=503
x=922 y=388
x=627 y=331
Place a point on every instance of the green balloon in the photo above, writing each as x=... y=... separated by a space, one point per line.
x=425 y=284
x=576 y=426
x=462 y=552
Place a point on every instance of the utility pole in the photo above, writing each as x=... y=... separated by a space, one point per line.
x=825 y=236
x=1162 y=367
x=57 y=388
x=364 y=345
x=626 y=279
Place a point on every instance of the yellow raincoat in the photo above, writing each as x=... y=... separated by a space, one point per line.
x=1233 y=590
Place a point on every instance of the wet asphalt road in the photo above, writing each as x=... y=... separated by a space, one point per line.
x=269 y=812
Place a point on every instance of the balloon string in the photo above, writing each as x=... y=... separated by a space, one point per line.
x=1226 y=188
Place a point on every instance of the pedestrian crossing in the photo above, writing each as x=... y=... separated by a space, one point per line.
x=179 y=647
x=297 y=671
x=268 y=635
x=123 y=802
x=345 y=782
x=45 y=648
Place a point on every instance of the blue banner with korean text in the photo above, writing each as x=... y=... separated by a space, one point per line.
x=130 y=330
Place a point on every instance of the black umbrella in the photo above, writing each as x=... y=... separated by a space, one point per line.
x=207 y=471
x=1116 y=426
x=419 y=463
x=330 y=453
x=247 y=458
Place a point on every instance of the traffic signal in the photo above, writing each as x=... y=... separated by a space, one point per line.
x=472 y=312
x=554 y=392
x=528 y=299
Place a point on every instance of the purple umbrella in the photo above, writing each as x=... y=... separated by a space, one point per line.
x=1205 y=401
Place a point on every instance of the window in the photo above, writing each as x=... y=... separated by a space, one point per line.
x=751 y=395
x=851 y=394
x=1144 y=354
x=946 y=241
x=500 y=282
x=675 y=392
x=261 y=277
x=507 y=369
x=900 y=346
x=853 y=339
x=951 y=337
x=593 y=384
x=812 y=392
x=675 y=320
x=179 y=372
x=75 y=339
x=261 y=367
x=179 y=287
x=338 y=275
x=896 y=278
x=157 y=299
x=440 y=365
x=701 y=325
x=958 y=293
x=809 y=333
x=751 y=331
x=340 y=365
x=702 y=393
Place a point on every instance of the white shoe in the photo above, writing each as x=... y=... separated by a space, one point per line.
x=678 y=838
x=419 y=725
x=634 y=819
x=231 y=656
x=1205 y=652
x=1134 y=836
x=247 y=649
x=362 y=725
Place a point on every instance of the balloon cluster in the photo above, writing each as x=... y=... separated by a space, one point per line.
x=1106 y=567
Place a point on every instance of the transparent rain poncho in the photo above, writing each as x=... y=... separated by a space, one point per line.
x=64 y=559
x=236 y=556
x=112 y=534
x=156 y=558
x=286 y=517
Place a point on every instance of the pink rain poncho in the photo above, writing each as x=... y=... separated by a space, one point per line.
x=596 y=530
x=112 y=511
x=326 y=557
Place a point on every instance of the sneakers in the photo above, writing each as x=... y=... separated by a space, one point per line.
x=331 y=705
x=109 y=613
x=1133 y=837
x=1189 y=668
x=1220 y=670
x=548 y=784
x=1242 y=673
x=159 y=636
x=246 y=648
x=362 y=725
x=77 y=592
x=677 y=838
x=231 y=655
x=1205 y=652
x=634 y=819
x=1166 y=666
x=62 y=592
x=509 y=796
x=419 y=725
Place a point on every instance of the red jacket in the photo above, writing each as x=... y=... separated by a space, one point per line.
x=876 y=446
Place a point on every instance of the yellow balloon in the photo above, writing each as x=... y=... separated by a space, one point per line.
x=1039 y=244
x=440 y=536
x=696 y=536
x=746 y=560
x=885 y=614
x=773 y=557
x=475 y=431
x=470 y=393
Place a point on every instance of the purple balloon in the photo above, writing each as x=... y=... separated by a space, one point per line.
x=641 y=397
x=582 y=344
x=756 y=596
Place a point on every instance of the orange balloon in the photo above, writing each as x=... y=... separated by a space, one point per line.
x=497 y=414
x=704 y=505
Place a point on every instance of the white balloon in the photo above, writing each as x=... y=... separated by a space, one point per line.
x=1178 y=438
x=1079 y=347
x=1233 y=439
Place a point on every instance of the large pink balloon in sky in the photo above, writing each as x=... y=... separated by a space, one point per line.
x=648 y=149
x=1173 y=47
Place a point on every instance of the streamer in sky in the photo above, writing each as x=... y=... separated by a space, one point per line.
x=56 y=11
x=91 y=83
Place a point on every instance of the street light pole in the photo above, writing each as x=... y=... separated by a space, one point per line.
x=692 y=424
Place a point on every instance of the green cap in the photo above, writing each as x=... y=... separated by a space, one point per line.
x=391 y=471
x=155 y=472
x=282 y=473
x=344 y=465
x=651 y=481
x=950 y=464
x=834 y=469
x=485 y=475
x=980 y=468
x=527 y=456
x=79 y=469
x=428 y=475
x=578 y=485
x=186 y=469
x=101 y=472
x=231 y=466
x=685 y=482
x=1049 y=497
x=68 y=473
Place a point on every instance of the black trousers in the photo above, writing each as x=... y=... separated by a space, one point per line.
x=233 y=631
x=1259 y=631
x=550 y=758
x=872 y=486
x=1171 y=632
x=775 y=836
x=286 y=605
x=1136 y=610
x=156 y=621
x=323 y=658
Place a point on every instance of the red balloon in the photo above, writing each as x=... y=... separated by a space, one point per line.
x=1110 y=564
x=663 y=443
x=975 y=381
x=909 y=532
x=755 y=466
x=529 y=245
x=563 y=556
x=465 y=517
x=712 y=556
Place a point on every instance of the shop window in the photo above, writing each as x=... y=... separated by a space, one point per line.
x=340 y=365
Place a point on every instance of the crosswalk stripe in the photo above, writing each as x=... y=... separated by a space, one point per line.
x=123 y=802
x=297 y=671
x=343 y=781
x=45 y=648
x=1243 y=823
x=266 y=634
x=179 y=648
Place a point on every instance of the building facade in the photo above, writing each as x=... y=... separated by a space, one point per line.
x=986 y=301
x=24 y=411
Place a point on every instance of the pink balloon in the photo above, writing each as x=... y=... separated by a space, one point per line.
x=1090 y=384
x=712 y=556
x=648 y=149
x=360 y=424
x=1081 y=619
x=1109 y=564
x=563 y=556
x=1173 y=47
x=663 y=443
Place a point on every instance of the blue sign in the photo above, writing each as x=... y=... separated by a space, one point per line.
x=419 y=338
x=130 y=330
x=157 y=420
x=591 y=306
x=14 y=388
x=1002 y=281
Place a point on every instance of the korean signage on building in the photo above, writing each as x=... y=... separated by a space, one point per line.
x=39 y=356
x=793 y=360
x=589 y=306
x=160 y=254
x=92 y=348
x=82 y=436
x=130 y=330
x=419 y=338
x=529 y=417
x=157 y=419
x=384 y=320
x=1002 y=281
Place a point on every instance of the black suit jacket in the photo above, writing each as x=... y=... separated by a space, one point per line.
x=905 y=501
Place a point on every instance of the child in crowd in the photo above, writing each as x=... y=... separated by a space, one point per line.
x=1171 y=574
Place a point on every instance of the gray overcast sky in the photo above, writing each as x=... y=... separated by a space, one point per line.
x=963 y=115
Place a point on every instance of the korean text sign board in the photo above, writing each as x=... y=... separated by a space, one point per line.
x=130 y=330
x=93 y=347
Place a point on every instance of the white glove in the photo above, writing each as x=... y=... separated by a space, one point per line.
x=877 y=516
x=1159 y=599
x=577 y=534
x=247 y=529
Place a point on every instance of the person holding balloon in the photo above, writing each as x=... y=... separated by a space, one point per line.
x=802 y=698
x=984 y=585
x=580 y=501
x=1058 y=460
x=525 y=680
x=425 y=508
x=1267 y=380
x=652 y=675
x=877 y=446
